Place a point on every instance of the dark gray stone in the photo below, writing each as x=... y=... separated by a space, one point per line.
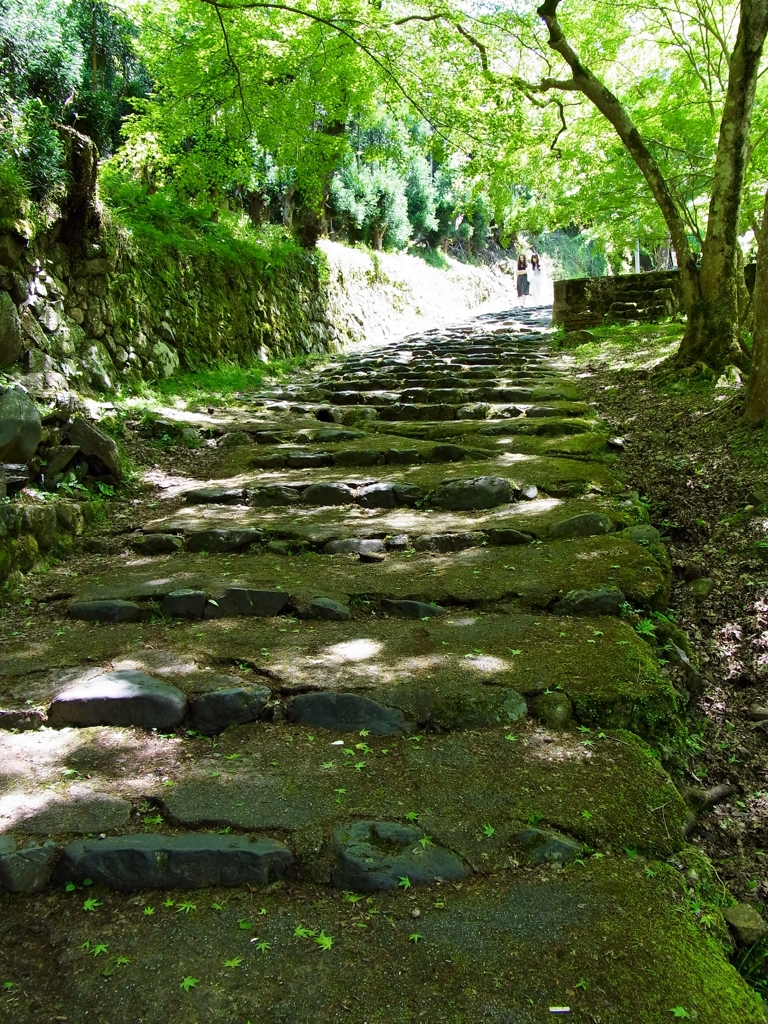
x=195 y=861
x=157 y=544
x=544 y=847
x=372 y=856
x=185 y=604
x=346 y=712
x=119 y=698
x=328 y=494
x=328 y=434
x=95 y=445
x=347 y=546
x=58 y=459
x=399 y=542
x=20 y=428
x=215 y=496
x=243 y=601
x=446 y=542
x=212 y=712
x=508 y=537
x=402 y=456
x=104 y=611
x=324 y=608
x=403 y=609
x=475 y=493
x=222 y=540
x=389 y=495
x=308 y=460
x=514 y=706
x=529 y=492
x=553 y=709
x=22 y=720
x=27 y=870
x=11 y=343
x=588 y=524
x=371 y=546
x=265 y=497
x=603 y=601
x=372 y=557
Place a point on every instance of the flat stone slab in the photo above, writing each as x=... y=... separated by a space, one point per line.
x=119 y=698
x=213 y=712
x=132 y=862
x=79 y=810
x=371 y=856
x=104 y=611
x=28 y=869
x=347 y=712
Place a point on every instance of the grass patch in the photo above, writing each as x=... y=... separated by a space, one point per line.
x=434 y=257
x=626 y=346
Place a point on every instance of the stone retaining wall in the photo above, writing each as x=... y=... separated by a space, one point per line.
x=33 y=530
x=591 y=301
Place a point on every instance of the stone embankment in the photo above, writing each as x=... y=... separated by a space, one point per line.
x=355 y=724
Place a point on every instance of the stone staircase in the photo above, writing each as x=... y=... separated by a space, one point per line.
x=355 y=725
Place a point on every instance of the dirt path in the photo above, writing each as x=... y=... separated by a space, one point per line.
x=348 y=720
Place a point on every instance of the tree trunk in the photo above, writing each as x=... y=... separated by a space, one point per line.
x=94 y=53
x=80 y=211
x=711 y=335
x=756 y=404
x=377 y=235
x=289 y=204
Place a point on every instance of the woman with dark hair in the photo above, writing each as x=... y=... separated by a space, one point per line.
x=523 y=288
x=537 y=281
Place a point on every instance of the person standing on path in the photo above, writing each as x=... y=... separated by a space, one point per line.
x=523 y=287
x=537 y=280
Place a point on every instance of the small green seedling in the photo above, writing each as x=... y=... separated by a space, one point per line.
x=405 y=882
x=244 y=925
x=586 y=815
x=148 y=911
x=411 y=816
x=415 y=938
x=425 y=841
x=185 y=907
x=91 y=904
x=324 y=941
x=168 y=902
x=300 y=932
x=235 y=962
x=581 y=983
x=489 y=830
x=98 y=949
x=263 y=947
x=679 y=1011
x=189 y=983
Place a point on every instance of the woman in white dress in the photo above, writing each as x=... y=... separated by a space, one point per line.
x=537 y=281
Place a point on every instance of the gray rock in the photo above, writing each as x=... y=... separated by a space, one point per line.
x=27 y=870
x=529 y=492
x=399 y=542
x=402 y=456
x=328 y=494
x=553 y=709
x=212 y=712
x=104 y=611
x=508 y=537
x=448 y=453
x=746 y=923
x=603 y=601
x=26 y=719
x=222 y=540
x=678 y=657
x=20 y=428
x=478 y=492
x=185 y=604
x=389 y=495
x=324 y=608
x=237 y=601
x=446 y=542
x=215 y=496
x=264 y=497
x=544 y=847
x=371 y=546
x=402 y=609
x=119 y=698
x=157 y=544
x=95 y=444
x=190 y=437
x=10 y=331
x=308 y=460
x=234 y=438
x=588 y=524
x=346 y=712
x=473 y=411
x=58 y=459
x=328 y=434
x=372 y=856
x=194 y=861
x=347 y=546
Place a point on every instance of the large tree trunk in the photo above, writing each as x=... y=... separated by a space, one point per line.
x=79 y=209
x=711 y=335
x=756 y=405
